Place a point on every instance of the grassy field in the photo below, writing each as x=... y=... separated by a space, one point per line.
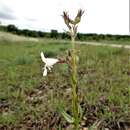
x=30 y=101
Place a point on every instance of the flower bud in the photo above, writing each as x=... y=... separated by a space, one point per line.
x=78 y=17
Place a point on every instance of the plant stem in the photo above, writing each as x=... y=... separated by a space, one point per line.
x=74 y=83
x=72 y=58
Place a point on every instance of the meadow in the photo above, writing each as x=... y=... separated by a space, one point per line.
x=30 y=101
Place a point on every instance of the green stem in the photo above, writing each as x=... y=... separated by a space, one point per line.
x=74 y=85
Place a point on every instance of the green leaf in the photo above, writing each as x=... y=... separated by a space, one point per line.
x=80 y=112
x=67 y=117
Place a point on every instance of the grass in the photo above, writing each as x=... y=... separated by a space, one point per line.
x=27 y=98
x=120 y=42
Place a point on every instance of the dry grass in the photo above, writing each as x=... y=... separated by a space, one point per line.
x=12 y=37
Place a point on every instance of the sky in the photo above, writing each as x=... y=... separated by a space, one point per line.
x=101 y=16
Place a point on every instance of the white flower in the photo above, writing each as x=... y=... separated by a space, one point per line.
x=49 y=62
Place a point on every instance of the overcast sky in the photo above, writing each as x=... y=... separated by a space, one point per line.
x=101 y=16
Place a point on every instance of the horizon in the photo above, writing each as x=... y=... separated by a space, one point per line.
x=102 y=17
x=49 y=31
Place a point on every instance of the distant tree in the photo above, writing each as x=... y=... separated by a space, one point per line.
x=65 y=36
x=47 y=34
x=54 y=33
x=79 y=36
x=34 y=34
x=12 y=28
x=101 y=37
x=41 y=34
x=25 y=32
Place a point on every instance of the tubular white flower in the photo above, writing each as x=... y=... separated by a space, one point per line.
x=49 y=62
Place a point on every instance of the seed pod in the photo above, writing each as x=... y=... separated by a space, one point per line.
x=66 y=19
x=78 y=17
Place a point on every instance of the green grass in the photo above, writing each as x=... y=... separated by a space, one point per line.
x=103 y=74
x=119 y=42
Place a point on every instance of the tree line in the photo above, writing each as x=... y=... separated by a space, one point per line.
x=55 y=34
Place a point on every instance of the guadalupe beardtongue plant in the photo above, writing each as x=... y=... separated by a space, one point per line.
x=71 y=60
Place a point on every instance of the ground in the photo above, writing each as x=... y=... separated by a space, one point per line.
x=30 y=101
